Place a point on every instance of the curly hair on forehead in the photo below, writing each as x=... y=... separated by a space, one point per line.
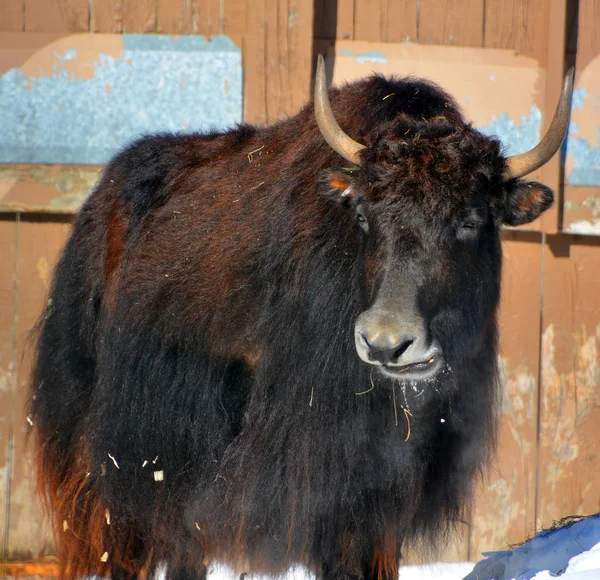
x=436 y=145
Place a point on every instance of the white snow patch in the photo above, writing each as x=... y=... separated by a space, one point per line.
x=455 y=571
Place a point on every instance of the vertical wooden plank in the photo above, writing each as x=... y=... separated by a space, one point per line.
x=253 y=55
x=276 y=53
x=569 y=451
x=504 y=511
x=451 y=22
x=518 y=24
x=345 y=20
x=174 y=16
x=277 y=58
x=367 y=20
x=8 y=243
x=206 y=17
x=399 y=20
x=107 y=16
x=588 y=39
x=56 y=15
x=556 y=56
x=39 y=245
x=234 y=20
x=299 y=66
x=334 y=19
x=12 y=15
x=139 y=16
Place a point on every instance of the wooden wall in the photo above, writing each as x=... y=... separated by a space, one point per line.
x=548 y=462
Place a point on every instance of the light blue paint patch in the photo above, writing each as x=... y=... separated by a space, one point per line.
x=492 y=78
x=182 y=43
x=467 y=100
x=516 y=138
x=364 y=57
x=579 y=97
x=159 y=84
x=584 y=155
x=586 y=162
x=70 y=54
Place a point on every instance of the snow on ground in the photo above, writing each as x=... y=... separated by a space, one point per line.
x=572 y=551
x=455 y=571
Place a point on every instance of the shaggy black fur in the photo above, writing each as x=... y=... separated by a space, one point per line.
x=197 y=393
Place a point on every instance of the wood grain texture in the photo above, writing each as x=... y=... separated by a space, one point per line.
x=368 y=20
x=334 y=19
x=139 y=16
x=132 y=16
x=277 y=58
x=451 y=22
x=39 y=245
x=253 y=56
x=504 y=512
x=174 y=16
x=385 y=20
x=206 y=17
x=12 y=15
x=555 y=60
x=56 y=15
x=518 y=24
x=569 y=453
x=589 y=30
x=276 y=54
x=8 y=243
x=234 y=19
x=107 y=16
x=299 y=69
x=588 y=38
x=399 y=20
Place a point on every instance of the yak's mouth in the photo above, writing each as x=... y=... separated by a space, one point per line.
x=414 y=371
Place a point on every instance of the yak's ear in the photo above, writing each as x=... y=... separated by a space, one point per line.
x=336 y=184
x=525 y=201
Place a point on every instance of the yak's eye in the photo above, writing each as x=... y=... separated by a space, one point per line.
x=469 y=229
x=362 y=221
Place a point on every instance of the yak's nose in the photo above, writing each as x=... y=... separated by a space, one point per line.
x=385 y=346
x=398 y=344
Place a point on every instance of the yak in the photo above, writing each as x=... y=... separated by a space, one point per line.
x=276 y=346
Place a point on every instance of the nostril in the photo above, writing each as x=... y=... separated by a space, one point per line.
x=385 y=349
x=402 y=349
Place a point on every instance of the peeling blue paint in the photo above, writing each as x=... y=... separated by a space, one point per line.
x=159 y=83
x=584 y=155
x=579 y=96
x=516 y=138
x=364 y=57
x=586 y=162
